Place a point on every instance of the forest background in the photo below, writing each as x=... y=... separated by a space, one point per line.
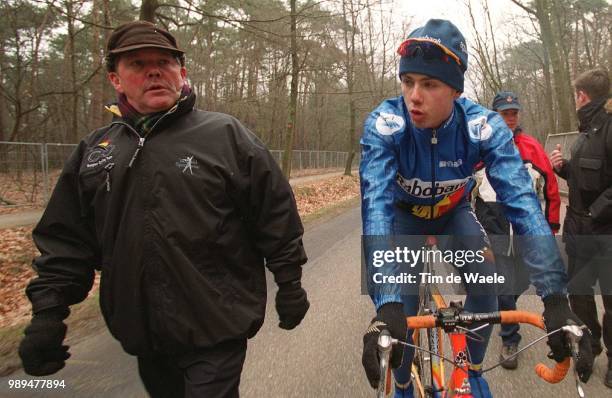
x=299 y=74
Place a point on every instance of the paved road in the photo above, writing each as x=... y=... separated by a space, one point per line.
x=322 y=358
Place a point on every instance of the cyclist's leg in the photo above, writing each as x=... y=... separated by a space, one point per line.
x=507 y=297
x=407 y=224
x=403 y=387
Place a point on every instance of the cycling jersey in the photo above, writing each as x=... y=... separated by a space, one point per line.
x=430 y=171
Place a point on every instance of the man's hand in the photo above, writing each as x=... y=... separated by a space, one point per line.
x=556 y=158
x=557 y=314
x=391 y=317
x=291 y=304
x=41 y=350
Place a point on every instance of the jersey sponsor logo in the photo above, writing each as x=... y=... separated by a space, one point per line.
x=479 y=129
x=389 y=123
x=443 y=206
x=423 y=189
x=450 y=163
x=100 y=154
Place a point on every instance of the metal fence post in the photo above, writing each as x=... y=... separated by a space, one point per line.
x=44 y=163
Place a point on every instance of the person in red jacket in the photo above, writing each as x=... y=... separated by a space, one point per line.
x=491 y=216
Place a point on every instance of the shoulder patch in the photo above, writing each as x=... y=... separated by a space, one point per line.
x=389 y=123
x=479 y=129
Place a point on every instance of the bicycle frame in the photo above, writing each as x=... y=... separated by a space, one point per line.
x=454 y=321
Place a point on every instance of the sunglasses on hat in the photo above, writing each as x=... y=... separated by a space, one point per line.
x=427 y=49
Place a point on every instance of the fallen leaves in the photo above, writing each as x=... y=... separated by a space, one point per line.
x=16 y=253
x=314 y=196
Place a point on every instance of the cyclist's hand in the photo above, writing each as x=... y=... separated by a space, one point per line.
x=391 y=317
x=584 y=364
x=557 y=314
x=291 y=304
x=41 y=350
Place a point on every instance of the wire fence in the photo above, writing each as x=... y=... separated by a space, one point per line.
x=29 y=171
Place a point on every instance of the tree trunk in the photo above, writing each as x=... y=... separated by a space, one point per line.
x=350 y=65
x=288 y=144
x=148 y=9
x=543 y=10
x=97 y=82
x=73 y=135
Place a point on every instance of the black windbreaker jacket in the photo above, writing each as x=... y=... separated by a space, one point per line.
x=589 y=171
x=180 y=223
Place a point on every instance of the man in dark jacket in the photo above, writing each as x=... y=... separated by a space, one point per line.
x=588 y=223
x=179 y=209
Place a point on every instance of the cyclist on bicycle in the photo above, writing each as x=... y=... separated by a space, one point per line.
x=418 y=155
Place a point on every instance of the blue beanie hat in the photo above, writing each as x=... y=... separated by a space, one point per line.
x=449 y=39
x=505 y=100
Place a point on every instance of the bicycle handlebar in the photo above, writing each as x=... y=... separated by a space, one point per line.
x=554 y=375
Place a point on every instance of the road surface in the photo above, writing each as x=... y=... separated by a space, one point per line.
x=322 y=357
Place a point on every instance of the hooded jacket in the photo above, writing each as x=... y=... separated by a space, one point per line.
x=180 y=223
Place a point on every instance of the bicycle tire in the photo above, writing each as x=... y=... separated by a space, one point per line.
x=430 y=339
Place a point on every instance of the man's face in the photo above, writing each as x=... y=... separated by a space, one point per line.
x=429 y=101
x=150 y=78
x=511 y=117
x=581 y=98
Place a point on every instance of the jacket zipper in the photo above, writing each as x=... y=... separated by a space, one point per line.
x=434 y=141
x=141 y=139
x=108 y=169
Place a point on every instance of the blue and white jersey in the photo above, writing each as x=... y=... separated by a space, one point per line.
x=401 y=163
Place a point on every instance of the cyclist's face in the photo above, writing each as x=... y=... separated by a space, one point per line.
x=429 y=101
x=511 y=117
x=150 y=78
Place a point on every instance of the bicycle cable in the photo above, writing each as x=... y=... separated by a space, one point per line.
x=455 y=364
x=522 y=349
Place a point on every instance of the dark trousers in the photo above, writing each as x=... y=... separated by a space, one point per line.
x=583 y=277
x=589 y=250
x=209 y=372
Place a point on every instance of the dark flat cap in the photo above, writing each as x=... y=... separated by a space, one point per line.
x=140 y=34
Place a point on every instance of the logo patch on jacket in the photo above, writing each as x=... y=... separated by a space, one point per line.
x=100 y=154
x=389 y=123
x=187 y=164
x=479 y=128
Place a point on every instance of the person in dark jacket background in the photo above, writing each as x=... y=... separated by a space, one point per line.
x=588 y=223
x=491 y=215
x=180 y=209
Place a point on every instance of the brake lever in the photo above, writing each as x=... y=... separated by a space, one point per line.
x=385 y=343
x=574 y=333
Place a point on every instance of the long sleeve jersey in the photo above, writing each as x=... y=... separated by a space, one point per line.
x=431 y=171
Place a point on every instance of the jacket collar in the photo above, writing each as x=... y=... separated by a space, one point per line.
x=592 y=115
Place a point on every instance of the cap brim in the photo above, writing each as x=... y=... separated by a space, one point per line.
x=505 y=107
x=140 y=46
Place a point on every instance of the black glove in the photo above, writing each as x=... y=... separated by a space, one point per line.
x=391 y=317
x=291 y=304
x=41 y=350
x=557 y=314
